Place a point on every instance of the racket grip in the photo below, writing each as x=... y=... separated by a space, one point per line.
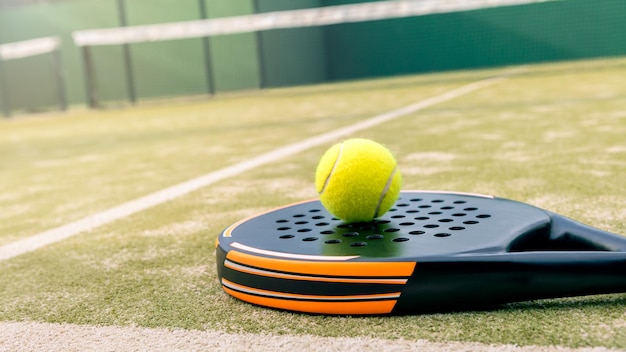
x=478 y=281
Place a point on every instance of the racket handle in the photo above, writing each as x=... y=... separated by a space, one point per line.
x=570 y=233
x=479 y=281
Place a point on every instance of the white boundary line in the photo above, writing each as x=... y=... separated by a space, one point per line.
x=32 y=336
x=90 y=222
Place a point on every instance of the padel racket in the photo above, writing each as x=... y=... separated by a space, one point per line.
x=433 y=251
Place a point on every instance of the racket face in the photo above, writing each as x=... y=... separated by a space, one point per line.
x=301 y=258
x=420 y=224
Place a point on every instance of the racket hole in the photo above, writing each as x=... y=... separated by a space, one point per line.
x=422 y=218
x=381 y=222
x=431 y=226
x=282 y=221
x=299 y=216
x=435 y=213
x=301 y=222
x=391 y=229
x=284 y=228
x=412 y=211
x=470 y=209
x=358 y=244
x=418 y=232
x=400 y=239
x=459 y=214
x=284 y=237
x=375 y=237
x=407 y=223
x=425 y=206
x=457 y=228
x=445 y=220
x=459 y=202
x=327 y=232
x=350 y=234
x=437 y=201
x=470 y=222
x=402 y=205
x=333 y=241
x=310 y=239
x=442 y=234
x=317 y=217
x=398 y=216
x=304 y=230
x=322 y=224
x=314 y=211
x=447 y=208
x=483 y=216
x=415 y=200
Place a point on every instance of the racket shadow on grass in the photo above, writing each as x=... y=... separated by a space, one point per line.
x=432 y=252
x=610 y=300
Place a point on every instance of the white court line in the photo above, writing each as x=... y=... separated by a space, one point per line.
x=32 y=336
x=90 y=222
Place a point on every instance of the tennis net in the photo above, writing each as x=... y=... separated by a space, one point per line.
x=272 y=48
x=20 y=50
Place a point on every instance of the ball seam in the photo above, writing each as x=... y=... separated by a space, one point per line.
x=332 y=170
x=385 y=191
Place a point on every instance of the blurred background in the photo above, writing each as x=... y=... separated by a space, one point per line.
x=114 y=74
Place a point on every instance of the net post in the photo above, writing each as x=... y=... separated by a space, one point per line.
x=57 y=67
x=130 y=79
x=206 y=47
x=4 y=93
x=90 y=78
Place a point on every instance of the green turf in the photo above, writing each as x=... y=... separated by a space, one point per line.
x=55 y=170
x=553 y=136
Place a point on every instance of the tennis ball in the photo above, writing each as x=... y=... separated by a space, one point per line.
x=358 y=180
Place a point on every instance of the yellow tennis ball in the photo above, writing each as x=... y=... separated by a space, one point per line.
x=358 y=180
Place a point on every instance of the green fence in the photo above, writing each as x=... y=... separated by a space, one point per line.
x=28 y=80
x=561 y=30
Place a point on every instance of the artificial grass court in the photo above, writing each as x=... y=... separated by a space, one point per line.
x=552 y=135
